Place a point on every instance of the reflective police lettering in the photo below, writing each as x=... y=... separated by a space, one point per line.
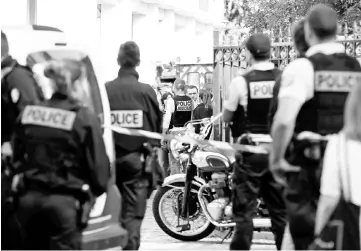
x=336 y=81
x=261 y=89
x=184 y=106
x=128 y=119
x=48 y=117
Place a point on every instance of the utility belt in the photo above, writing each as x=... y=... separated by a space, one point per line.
x=305 y=153
x=82 y=194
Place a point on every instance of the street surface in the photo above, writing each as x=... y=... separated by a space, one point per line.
x=153 y=238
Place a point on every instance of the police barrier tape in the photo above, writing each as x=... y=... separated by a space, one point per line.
x=189 y=139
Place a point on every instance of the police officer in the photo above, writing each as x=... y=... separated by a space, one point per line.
x=312 y=98
x=133 y=105
x=177 y=113
x=301 y=46
x=63 y=161
x=18 y=88
x=247 y=107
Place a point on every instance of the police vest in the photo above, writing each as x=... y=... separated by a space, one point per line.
x=260 y=92
x=334 y=76
x=182 y=111
x=50 y=144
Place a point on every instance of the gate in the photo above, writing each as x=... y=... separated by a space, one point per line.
x=228 y=60
x=200 y=75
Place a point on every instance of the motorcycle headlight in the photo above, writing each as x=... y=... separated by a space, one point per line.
x=183 y=157
x=175 y=146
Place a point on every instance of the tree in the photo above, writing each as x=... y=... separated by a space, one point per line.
x=280 y=14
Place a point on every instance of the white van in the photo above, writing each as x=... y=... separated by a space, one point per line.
x=104 y=230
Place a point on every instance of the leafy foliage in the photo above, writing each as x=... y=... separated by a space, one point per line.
x=280 y=14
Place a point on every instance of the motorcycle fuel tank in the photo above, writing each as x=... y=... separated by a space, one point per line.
x=210 y=160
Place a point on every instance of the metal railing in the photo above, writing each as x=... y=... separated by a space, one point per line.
x=230 y=60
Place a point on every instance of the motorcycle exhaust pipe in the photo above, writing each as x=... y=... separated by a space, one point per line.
x=257 y=223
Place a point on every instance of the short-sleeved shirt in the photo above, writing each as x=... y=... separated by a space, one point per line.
x=298 y=76
x=334 y=159
x=238 y=91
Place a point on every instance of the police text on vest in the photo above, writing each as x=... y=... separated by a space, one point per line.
x=184 y=106
x=127 y=119
x=336 y=81
x=261 y=89
x=48 y=117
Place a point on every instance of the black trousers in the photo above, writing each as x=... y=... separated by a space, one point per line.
x=251 y=180
x=42 y=222
x=303 y=191
x=133 y=188
x=301 y=195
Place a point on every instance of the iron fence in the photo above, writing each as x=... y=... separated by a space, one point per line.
x=230 y=60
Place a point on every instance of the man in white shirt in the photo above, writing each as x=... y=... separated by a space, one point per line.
x=192 y=92
x=247 y=109
x=312 y=97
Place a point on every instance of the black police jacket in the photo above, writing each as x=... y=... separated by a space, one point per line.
x=335 y=75
x=133 y=105
x=18 y=89
x=60 y=146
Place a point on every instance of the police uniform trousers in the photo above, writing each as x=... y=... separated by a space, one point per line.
x=133 y=187
x=251 y=180
x=43 y=221
x=301 y=195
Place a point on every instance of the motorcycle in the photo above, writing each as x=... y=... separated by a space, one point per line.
x=188 y=129
x=200 y=197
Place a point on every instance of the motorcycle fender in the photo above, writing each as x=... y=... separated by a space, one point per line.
x=181 y=177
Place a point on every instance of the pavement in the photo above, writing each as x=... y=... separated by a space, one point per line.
x=153 y=238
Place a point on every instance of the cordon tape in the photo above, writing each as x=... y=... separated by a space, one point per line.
x=191 y=138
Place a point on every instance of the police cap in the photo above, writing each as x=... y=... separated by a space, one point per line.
x=322 y=19
x=259 y=45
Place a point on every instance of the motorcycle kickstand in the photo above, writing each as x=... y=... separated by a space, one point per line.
x=179 y=209
x=184 y=227
x=227 y=235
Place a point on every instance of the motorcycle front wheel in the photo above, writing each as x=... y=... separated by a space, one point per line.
x=166 y=214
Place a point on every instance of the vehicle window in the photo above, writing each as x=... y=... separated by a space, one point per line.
x=38 y=61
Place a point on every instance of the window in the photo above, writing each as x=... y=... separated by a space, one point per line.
x=193 y=78
x=209 y=80
x=37 y=62
x=204 y=5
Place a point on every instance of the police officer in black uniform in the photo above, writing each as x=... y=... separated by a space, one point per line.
x=133 y=105
x=61 y=157
x=177 y=113
x=247 y=109
x=312 y=98
x=18 y=88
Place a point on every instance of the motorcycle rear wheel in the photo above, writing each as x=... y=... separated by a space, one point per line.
x=205 y=231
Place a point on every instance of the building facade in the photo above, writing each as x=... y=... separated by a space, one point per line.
x=165 y=30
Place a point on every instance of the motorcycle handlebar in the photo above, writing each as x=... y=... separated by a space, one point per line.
x=187 y=148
